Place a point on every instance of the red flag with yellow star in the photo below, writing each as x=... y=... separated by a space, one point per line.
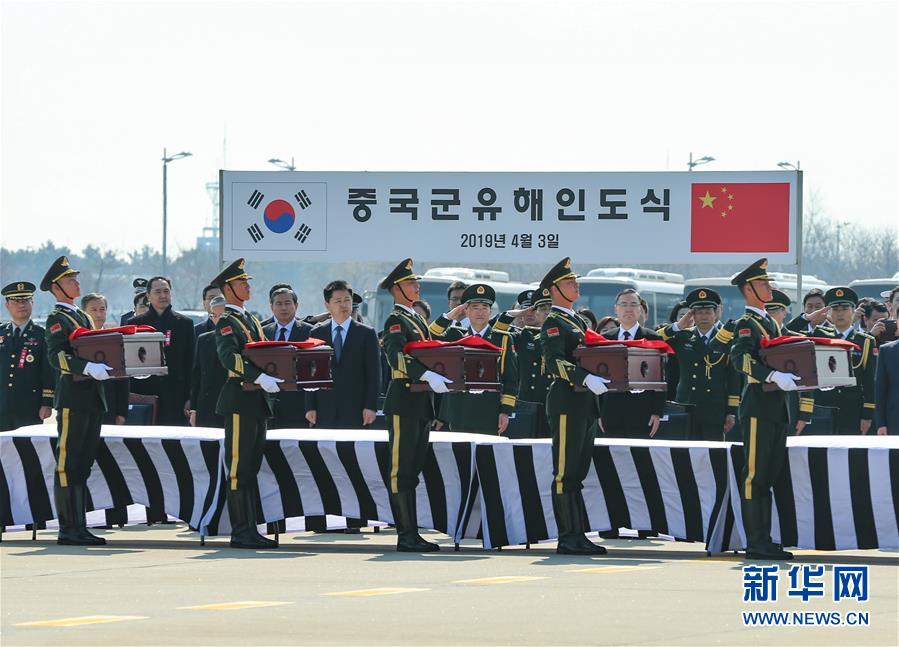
x=740 y=217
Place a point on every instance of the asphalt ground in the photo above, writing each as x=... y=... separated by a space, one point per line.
x=158 y=586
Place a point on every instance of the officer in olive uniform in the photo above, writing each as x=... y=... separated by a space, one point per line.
x=408 y=413
x=571 y=413
x=800 y=403
x=855 y=404
x=487 y=412
x=80 y=405
x=26 y=392
x=245 y=412
x=764 y=415
x=707 y=379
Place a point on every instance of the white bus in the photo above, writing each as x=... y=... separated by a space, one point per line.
x=732 y=298
x=662 y=290
x=434 y=284
x=874 y=288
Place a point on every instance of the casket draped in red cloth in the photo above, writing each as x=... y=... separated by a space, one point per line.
x=302 y=345
x=125 y=330
x=819 y=341
x=592 y=338
x=472 y=341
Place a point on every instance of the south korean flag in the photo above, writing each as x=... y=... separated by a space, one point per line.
x=280 y=216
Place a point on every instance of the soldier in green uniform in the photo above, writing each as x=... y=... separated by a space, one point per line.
x=26 y=393
x=245 y=412
x=571 y=413
x=707 y=379
x=855 y=404
x=763 y=414
x=800 y=403
x=80 y=405
x=486 y=412
x=408 y=413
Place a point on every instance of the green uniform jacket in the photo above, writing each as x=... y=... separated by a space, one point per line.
x=83 y=395
x=707 y=378
x=480 y=411
x=30 y=381
x=855 y=403
x=232 y=332
x=561 y=334
x=748 y=332
x=400 y=328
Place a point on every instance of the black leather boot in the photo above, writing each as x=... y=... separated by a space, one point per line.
x=252 y=498
x=80 y=504
x=568 y=520
x=765 y=505
x=758 y=537
x=584 y=526
x=65 y=515
x=404 y=514
x=242 y=534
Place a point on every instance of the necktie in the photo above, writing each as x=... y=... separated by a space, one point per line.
x=282 y=336
x=627 y=335
x=338 y=343
x=16 y=334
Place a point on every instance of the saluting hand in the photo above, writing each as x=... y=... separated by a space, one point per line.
x=686 y=321
x=458 y=313
x=817 y=317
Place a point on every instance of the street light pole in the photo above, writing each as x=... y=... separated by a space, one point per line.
x=283 y=165
x=165 y=201
x=702 y=160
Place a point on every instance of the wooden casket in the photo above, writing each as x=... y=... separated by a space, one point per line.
x=818 y=366
x=470 y=369
x=628 y=368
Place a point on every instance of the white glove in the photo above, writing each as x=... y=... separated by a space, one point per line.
x=784 y=381
x=98 y=371
x=436 y=381
x=596 y=384
x=268 y=383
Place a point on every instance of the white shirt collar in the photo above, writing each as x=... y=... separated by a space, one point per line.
x=758 y=311
x=632 y=330
x=289 y=326
x=843 y=333
x=565 y=310
x=70 y=306
x=483 y=333
x=242 y=311
x=406 y=308
x=345 y=325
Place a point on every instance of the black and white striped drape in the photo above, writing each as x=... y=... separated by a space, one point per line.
x=677 y=489
x=162 y=467
x=836 y=493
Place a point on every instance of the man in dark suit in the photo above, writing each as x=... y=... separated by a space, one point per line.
x=886 y=390
x=210 y=292
x=173 y=389
x=631 y=415
x=353 y=401
x=290 y=406
x=208 y=375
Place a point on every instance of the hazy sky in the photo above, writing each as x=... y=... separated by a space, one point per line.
x=93 y=91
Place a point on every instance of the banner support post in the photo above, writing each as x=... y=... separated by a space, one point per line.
x=799 y=235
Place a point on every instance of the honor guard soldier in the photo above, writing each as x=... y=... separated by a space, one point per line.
x=707 y=379
x=487 y=412
x=245 y=412
x=571 y=413
x=801 y=403
x=855 y=404
x=764 y=415
x=408 y=413
x=26 y=392
x=80 y=405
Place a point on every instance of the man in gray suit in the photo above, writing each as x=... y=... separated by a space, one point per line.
x=886 y=390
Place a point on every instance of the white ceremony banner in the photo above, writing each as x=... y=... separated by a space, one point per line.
x=666 y=217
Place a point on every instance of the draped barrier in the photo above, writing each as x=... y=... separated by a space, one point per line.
x=838 y=492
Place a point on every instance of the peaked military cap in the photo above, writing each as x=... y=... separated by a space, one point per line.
x=778 y=300
x=357 y=300
x=19 y=291
x=703 y=298
x=58 y=269
x=758 y=271
x=402 y=272
x=840 y=296
x=479 y=293
x=541 y=296
x=237 y=270
x=139 y=285
x=525 y=298
x=560 y=271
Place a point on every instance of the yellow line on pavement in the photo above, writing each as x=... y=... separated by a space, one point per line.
x=364 y=593
x=612 y=569
x=234 y=606
x=504 y=579
x=81 y=620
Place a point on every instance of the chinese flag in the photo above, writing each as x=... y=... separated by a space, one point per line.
x=740 y=217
